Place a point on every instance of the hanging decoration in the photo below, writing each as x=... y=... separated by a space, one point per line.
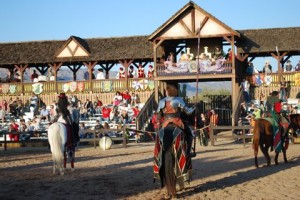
x=136 y=85
x=37 y=88
x=73 y=86
x=107 y=86
x=65 y=87
x=12 y=89
x=5 y=88
x=80 y=86
x=151 y=85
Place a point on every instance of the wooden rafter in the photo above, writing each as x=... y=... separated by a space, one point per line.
x=186 y=27
x=242 y=58
x=202 y=25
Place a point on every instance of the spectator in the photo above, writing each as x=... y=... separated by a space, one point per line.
x=115 y=115
x=34 y=76
x=86 y=75
x=218 y=53
x=97 y=106
x=136 y=111
x=134 y=99
x=246 y=89
x=88 y=108
x=116 y=102
x=13 y=127
x=150 y=72
x=124 y=117
x=82 y=133
x=44 y=114
x=118 y=96
x=170 y=60
x=52 y=113
x=297 y=67
x=214 y=118
x=250 y=69
x=283 y=89
x=100 y=75
x=131 y=72
x=141 y=72
x=267 y=68
x=126 y=97
x=229 y=54
x=121 y=73
x=106 y=113
x=98 y=127
x=2 y=114
x=288 y=67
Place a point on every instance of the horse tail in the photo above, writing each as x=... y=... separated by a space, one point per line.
x=169 y=161
x=57 y=139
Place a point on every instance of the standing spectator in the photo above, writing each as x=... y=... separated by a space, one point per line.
x=34 y=75
x=100 y=75
x=297 y=67
x=131 y=72
x=214 y=120
x=13 y=127
x=150 y=72
x=86 y=75
x=288 y=67
x=121 y=73
x=250 y=69
x=283 y=87
x=34 y=103
x=267 y=68
x=141 y=72
x=246 y=89
x=106 y=113
x=2 y=114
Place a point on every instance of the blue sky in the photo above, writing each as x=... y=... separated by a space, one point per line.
x=31 y=20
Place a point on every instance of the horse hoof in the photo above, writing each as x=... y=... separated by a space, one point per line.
x=72 y=169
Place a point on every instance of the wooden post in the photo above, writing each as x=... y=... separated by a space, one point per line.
x=124 y=137
x=211 y=135
x=55 y=68
x=126 y=64
x=21 y=70
x=90 y=66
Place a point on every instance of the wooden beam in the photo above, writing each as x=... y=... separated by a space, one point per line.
x=242 y=58
x=193 y=19
x=126 y=64
x=186 y=27
x=228 y=39
x=202 y=25
x=55 y=67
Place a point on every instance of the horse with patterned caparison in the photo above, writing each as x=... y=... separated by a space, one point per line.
x=270 y=132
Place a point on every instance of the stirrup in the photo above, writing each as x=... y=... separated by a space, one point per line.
x=193 y=154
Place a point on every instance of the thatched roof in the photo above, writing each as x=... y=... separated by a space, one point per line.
x=264 y=41
x=100 y=49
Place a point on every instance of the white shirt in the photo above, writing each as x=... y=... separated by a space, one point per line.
x=100 y=76
x=2 y=113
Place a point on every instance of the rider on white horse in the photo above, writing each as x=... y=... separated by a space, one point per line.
x=65 y=118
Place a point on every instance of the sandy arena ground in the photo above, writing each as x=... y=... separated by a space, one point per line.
x=224 y=171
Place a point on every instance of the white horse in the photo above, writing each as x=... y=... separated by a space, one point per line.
x=57 y=137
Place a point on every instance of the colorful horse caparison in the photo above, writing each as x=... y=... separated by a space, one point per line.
x=266 y=135
x=57 y=137
x=171 y=163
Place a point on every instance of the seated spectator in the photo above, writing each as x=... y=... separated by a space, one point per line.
x=44 y=114
x=229 y=54
x=118 y=96
x=13 y=127
x=23 y=128
x=98 y=127
x=2 y=115
x=218 y=53
x=116 y=102
x=88 y=108
x=52 y=113
x=115 y=115
x=124 y=117
x=82 y=133
x=106 y=113
x=170 y=60
x=126 y=98
x=134 y=99
x=136 y=112
x=97 y=105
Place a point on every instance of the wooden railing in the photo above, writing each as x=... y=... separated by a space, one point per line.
x=237 y=107
x=145 y=113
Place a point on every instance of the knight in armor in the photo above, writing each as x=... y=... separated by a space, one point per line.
x=170 y=108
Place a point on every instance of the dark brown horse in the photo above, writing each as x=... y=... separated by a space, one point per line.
x=294 y=124
x=263 y=137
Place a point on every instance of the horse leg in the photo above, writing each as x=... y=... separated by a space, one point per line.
x=265 y=149
x=72 y=161
x=54 y=166
x=255 y=148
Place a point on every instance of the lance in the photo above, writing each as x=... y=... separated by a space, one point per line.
x=197 y=77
